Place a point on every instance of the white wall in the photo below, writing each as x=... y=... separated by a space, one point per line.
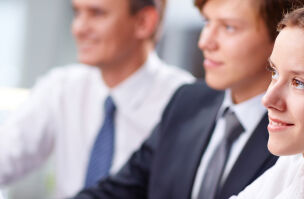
x=48 y=39
x=12 y=23
x=182 y=28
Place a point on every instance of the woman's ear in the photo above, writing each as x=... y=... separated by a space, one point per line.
x=147 y=22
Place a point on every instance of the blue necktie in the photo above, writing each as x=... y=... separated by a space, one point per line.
x=103 y=148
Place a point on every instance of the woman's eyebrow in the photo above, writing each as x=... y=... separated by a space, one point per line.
x=297 y=72
x=271 y=63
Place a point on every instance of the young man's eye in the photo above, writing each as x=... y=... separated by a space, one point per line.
x=230 y=28
x=273 y=71
x=297 y=84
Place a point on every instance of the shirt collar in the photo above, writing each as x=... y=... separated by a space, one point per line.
x=248 y=112
x=131 y=92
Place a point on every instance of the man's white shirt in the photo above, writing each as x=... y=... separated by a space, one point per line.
x=249 y=113
x=65 y=112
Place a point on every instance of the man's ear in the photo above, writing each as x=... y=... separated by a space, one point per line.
x=147 y=22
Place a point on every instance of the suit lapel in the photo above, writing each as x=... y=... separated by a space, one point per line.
x=196 y=136
x=250 y=162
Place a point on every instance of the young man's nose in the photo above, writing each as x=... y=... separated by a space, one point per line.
x=207 y=39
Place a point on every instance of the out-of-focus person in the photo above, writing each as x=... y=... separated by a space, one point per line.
x=93 y=115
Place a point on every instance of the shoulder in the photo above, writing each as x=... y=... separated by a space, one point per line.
x=290 y=165
x=197 y=93
x=72 y=71
x=65 y=79
x=165 y=73
x=162 y=80
x=173 y=73
x=274 y=180
x=190 y=99
x=68 y=75
x=289 y=178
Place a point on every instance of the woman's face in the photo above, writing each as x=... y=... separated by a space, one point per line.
x=284 y=98
x=236 y=45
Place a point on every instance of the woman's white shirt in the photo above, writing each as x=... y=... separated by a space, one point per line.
x=283 y=181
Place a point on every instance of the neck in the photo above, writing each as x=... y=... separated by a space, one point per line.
x=115 y=74
x=245 y=91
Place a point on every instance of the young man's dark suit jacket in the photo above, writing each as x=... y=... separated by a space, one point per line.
x=165 y=166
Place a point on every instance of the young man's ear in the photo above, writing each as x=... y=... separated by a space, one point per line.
x=147 y=22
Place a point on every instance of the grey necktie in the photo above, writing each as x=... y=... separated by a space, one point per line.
x=216 y=165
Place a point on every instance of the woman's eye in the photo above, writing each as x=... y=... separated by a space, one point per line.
x=274 y=73
x=297 y=83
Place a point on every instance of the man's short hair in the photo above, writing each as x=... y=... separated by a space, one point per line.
x=160 y=5
x=270 y=11
x=137 y=5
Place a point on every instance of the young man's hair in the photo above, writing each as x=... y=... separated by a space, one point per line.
x=271 y=11
x=293 y=19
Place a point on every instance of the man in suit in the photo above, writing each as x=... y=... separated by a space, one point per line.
x=91 y=115
x=185 y=157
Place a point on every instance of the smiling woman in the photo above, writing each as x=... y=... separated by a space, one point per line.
x=285 y=97
x=284 y=100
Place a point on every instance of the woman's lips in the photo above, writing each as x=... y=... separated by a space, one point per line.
x=209 y=63
x=276 y=125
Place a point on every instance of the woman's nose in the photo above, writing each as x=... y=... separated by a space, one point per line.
x=274 y=97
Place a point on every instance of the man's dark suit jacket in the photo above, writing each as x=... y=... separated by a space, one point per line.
x=165 y=166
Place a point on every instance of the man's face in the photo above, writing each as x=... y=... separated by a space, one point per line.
x=284 y=98
x=236 y=45
x=104 y=31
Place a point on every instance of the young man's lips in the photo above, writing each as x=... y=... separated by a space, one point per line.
x=277 y=125
x=209 y=63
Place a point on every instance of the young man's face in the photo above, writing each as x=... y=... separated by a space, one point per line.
x=104 y=31
x=284 y=98
x=236 y=45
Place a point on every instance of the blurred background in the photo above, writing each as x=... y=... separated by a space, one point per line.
x=35 y=36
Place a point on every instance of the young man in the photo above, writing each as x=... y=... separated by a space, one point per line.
x=209 y=143
x=65 y=113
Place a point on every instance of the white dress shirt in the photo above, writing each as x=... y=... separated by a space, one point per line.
x=65 y=112
x=249 y=114
x=285 y=180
